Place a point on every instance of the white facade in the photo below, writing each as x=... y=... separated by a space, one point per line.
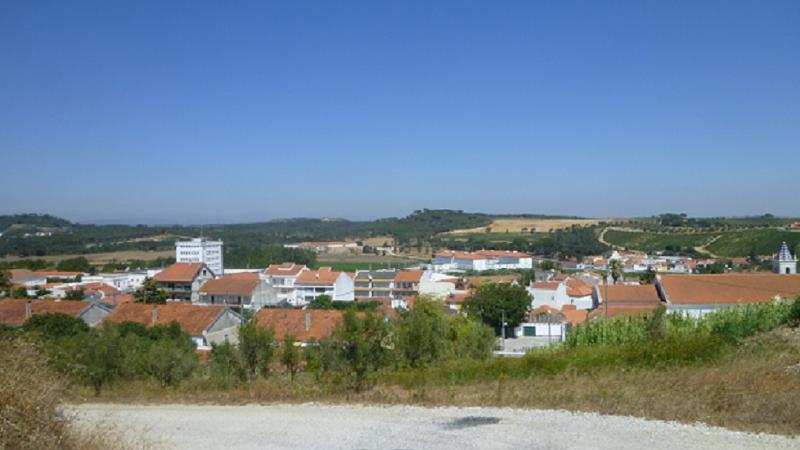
x=785 y=263
x=481 y=260
x=124 y=281
x=342 y=289
x=555 y=295
x=200 y=250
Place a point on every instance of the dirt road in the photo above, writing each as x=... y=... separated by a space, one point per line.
x=314 y=426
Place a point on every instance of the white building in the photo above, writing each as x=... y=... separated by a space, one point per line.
x=282 y=277
x=784 y=263
x=559 y=294
x=311 y=284
x=201 y=250
x=124 y=281
x=481 y=260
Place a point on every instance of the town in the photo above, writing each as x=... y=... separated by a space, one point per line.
x=199 y=285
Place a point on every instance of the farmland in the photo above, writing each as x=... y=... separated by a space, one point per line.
x=526 y=225
x=762 y=241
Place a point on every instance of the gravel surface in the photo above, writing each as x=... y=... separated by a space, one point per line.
x=316 y=426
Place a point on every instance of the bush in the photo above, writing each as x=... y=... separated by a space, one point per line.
x=422 y=333
x=54 y=326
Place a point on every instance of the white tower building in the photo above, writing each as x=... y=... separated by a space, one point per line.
x=201 y=250
x=784 y=262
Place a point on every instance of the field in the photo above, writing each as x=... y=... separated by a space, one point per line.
x=729 y=244
x=102 y=258
x=521 y=225
x=494 y=237
x=351 y=263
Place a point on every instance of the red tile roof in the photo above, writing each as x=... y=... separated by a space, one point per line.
x=543 y=285
x=179 y=273
x=323 y=276
x=293 y=322
x=194 y=319
x=729 y=288
x=284 y=270
x=240 y=284
x=12 y=310
x=408 y=276
x=579 y=288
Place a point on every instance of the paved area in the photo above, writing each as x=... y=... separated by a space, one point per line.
x=314 y=426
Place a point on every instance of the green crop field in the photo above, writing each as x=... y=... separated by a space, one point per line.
x=652 y=242
x=729 y=244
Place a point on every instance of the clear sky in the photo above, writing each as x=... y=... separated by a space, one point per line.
x=187 y=112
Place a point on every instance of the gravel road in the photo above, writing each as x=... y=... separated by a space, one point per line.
x=315 y=426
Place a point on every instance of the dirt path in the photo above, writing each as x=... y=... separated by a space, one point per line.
x=315 y=426
x=704 y=248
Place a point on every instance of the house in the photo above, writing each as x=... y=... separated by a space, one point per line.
x=123 y=281
x=375 y=283
x=304 y=324
x=313 y=283
x=697 y=295
x=182 y=281
x=60 y=275
x=628 y=300
x=282 y=277
x=206 y=325
x=27 y=278
x=14 y=312
x=482 y=260
x=549 y=322
x=201 y=250
x=556 y=294
x=407 y=283
x=242 y=290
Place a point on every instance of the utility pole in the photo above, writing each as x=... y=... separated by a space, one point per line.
x=503 y=330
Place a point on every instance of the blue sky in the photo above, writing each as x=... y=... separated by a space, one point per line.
x=186 y=112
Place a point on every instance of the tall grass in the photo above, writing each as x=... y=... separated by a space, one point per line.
x=729 y=324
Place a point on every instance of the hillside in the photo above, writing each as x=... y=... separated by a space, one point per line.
x=737 y=243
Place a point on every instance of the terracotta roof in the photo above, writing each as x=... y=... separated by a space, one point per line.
x=179 y=273
x=457 y=297
x=323 y=276
x=569 y=313
x=240 y=284
x=194 y=319
x=117 y=299
x=729 y=288
x=543 y=285
x=481 y=254
x=12 y=310
x=23 y=275
x=620 y=293
x=408 y=276
x=284 y=270
x=579 y=288
x=293 y=322
x=97 y=288
x=502 y=253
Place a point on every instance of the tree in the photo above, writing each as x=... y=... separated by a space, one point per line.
x=19 y=292
x=225 y=363
x=323 y=301
x=169 y=362
x=255 y=347
x=422 y=333
x=75 y=294
x=363 y=343
x=648 y=277
x=490 y=302
x=469 y=338
x=150 y=293
x=55 y=326
x=79 y=264
x=616 y=268
x=290 y=356
x=92 y=357
x=5 y=280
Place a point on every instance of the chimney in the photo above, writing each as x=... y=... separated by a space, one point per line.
x=28 y=309
x=154 y=315
x=308 y=319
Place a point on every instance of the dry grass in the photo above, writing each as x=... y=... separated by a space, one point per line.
x=521 y=224
x=757 y=389
x=31 y=416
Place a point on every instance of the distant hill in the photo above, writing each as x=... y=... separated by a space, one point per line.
x=32 y=220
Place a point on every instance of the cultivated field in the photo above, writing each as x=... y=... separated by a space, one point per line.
x=722 y=243
x=102 y=258
x=521 y=224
